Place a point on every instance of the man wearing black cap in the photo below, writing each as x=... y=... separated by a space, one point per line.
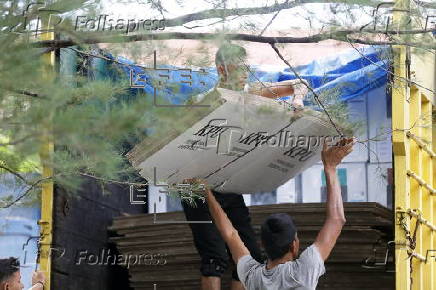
x=284 y=269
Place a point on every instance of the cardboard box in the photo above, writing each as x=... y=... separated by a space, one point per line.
x=242 y=144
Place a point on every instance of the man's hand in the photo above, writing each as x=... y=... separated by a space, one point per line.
x=38 y=280
x=300 y=91
x=298 y=103
x=281 y=89
x=333 y=155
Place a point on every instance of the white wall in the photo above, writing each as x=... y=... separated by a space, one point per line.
x=365 y=180
x=357 y=113
x=379 y=125
x=286 y=192
x=377 y=188
x=356 y=182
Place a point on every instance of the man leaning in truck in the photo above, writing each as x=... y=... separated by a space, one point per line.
x=232 y=71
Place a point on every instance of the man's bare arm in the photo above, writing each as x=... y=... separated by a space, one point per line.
x=225 y=227
x=335 y=217
x=279 y=89
x=228 y=232
x=272 y=90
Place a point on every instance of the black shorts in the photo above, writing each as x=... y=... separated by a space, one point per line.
x=214 y=253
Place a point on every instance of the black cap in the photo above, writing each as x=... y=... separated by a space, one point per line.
x=277 y=233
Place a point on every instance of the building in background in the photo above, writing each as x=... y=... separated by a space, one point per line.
x=366 y=174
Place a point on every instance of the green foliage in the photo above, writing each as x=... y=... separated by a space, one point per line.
x=339 y=111
x=88 y=120
x=189 y=194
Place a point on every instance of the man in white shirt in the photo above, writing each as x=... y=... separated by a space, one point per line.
x=233 y=73
x=10 y=276
x=284 y=269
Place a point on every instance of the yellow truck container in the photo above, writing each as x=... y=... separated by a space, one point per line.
x=413 y=138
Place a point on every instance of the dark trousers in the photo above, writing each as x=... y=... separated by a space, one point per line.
x=213 y=251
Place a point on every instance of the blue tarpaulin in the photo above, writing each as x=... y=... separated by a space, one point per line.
x=353 y=73
x=350 y=74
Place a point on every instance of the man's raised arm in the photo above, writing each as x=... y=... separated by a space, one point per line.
x=225 y=227
x=335 y=217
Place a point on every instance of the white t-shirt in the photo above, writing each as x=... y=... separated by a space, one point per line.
x=299 y=274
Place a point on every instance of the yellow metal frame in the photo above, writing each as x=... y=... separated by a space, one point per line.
x=46 y=221
x=414 y=171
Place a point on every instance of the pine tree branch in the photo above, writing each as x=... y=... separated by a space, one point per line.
x=15 y=173
x=27 y=93
x=21 y=196
x=105 y=180
x=340 y=35
x=390 y=72
x=210 y=24
x=269 y=23
x=431 y=46
x=222 y=13
x=427 y=5
x=24 y=92
x=15 y=142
